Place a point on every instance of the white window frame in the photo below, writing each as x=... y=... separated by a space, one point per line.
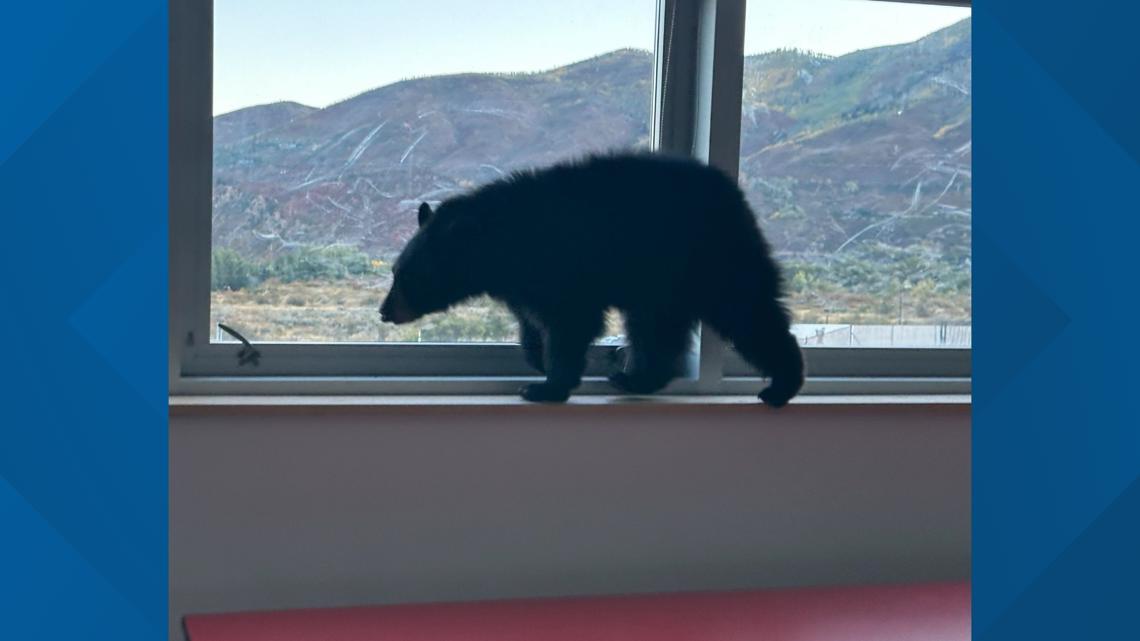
x=699 y=57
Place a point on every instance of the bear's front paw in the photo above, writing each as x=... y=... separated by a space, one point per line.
x=544 y=393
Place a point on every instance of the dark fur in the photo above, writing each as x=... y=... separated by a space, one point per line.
x=667 y=241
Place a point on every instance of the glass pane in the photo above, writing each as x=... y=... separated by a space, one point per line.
x=334 y=120
x=855 y=156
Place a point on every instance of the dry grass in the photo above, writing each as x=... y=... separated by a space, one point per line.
x=922 y=308
x=346 y=310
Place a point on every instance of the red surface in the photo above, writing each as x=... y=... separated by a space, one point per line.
x=930 y=612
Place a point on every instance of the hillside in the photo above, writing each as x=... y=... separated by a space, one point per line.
x=236 y=126
x=854 y=164
x=877 y=137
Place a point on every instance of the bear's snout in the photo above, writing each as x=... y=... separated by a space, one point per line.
x=395 y=308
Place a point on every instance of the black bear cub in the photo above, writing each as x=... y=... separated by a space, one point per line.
x=666 y=241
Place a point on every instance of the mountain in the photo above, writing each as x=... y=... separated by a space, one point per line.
x=876 y=139
x=838 y=153
x=236 y=126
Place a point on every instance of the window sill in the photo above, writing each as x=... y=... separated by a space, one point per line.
x=282 y=404
x=425 y=387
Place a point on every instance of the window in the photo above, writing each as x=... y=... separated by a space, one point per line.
x=855 y=153
x=333 y=121
x=304 y=134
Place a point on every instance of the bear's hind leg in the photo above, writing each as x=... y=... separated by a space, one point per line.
x=658 y=343
x=778 y=355
x=761 y=333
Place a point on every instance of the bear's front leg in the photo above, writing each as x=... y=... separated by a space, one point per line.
x=659 y=340
x=566 y=345
x=530 y=337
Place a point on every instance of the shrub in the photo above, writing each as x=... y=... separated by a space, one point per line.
x=311 y=263
x=230 y=270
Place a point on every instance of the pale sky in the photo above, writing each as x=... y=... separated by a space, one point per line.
x=318 y=53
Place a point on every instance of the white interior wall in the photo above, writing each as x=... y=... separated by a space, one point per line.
x=279 y=509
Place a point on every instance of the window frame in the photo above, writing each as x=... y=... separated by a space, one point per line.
x=698 y=77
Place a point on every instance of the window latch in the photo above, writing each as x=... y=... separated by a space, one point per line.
x=248 y=353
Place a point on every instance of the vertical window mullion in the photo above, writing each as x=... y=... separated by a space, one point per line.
x=191 y=167
x=719 y=73
x=674 y=115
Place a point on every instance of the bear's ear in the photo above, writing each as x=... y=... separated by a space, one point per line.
x=424 y=214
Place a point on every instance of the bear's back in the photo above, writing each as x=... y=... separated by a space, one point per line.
x=622 y=193
x=616 y=226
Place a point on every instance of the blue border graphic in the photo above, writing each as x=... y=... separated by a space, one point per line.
x=83 y=443
x=1056 y=428
x=83 y=458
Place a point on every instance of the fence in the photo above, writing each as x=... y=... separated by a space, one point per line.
x=942 y=335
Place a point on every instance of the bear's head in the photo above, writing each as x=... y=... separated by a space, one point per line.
x=434 y=270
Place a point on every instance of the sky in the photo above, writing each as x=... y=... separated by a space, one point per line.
x=318 y=53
